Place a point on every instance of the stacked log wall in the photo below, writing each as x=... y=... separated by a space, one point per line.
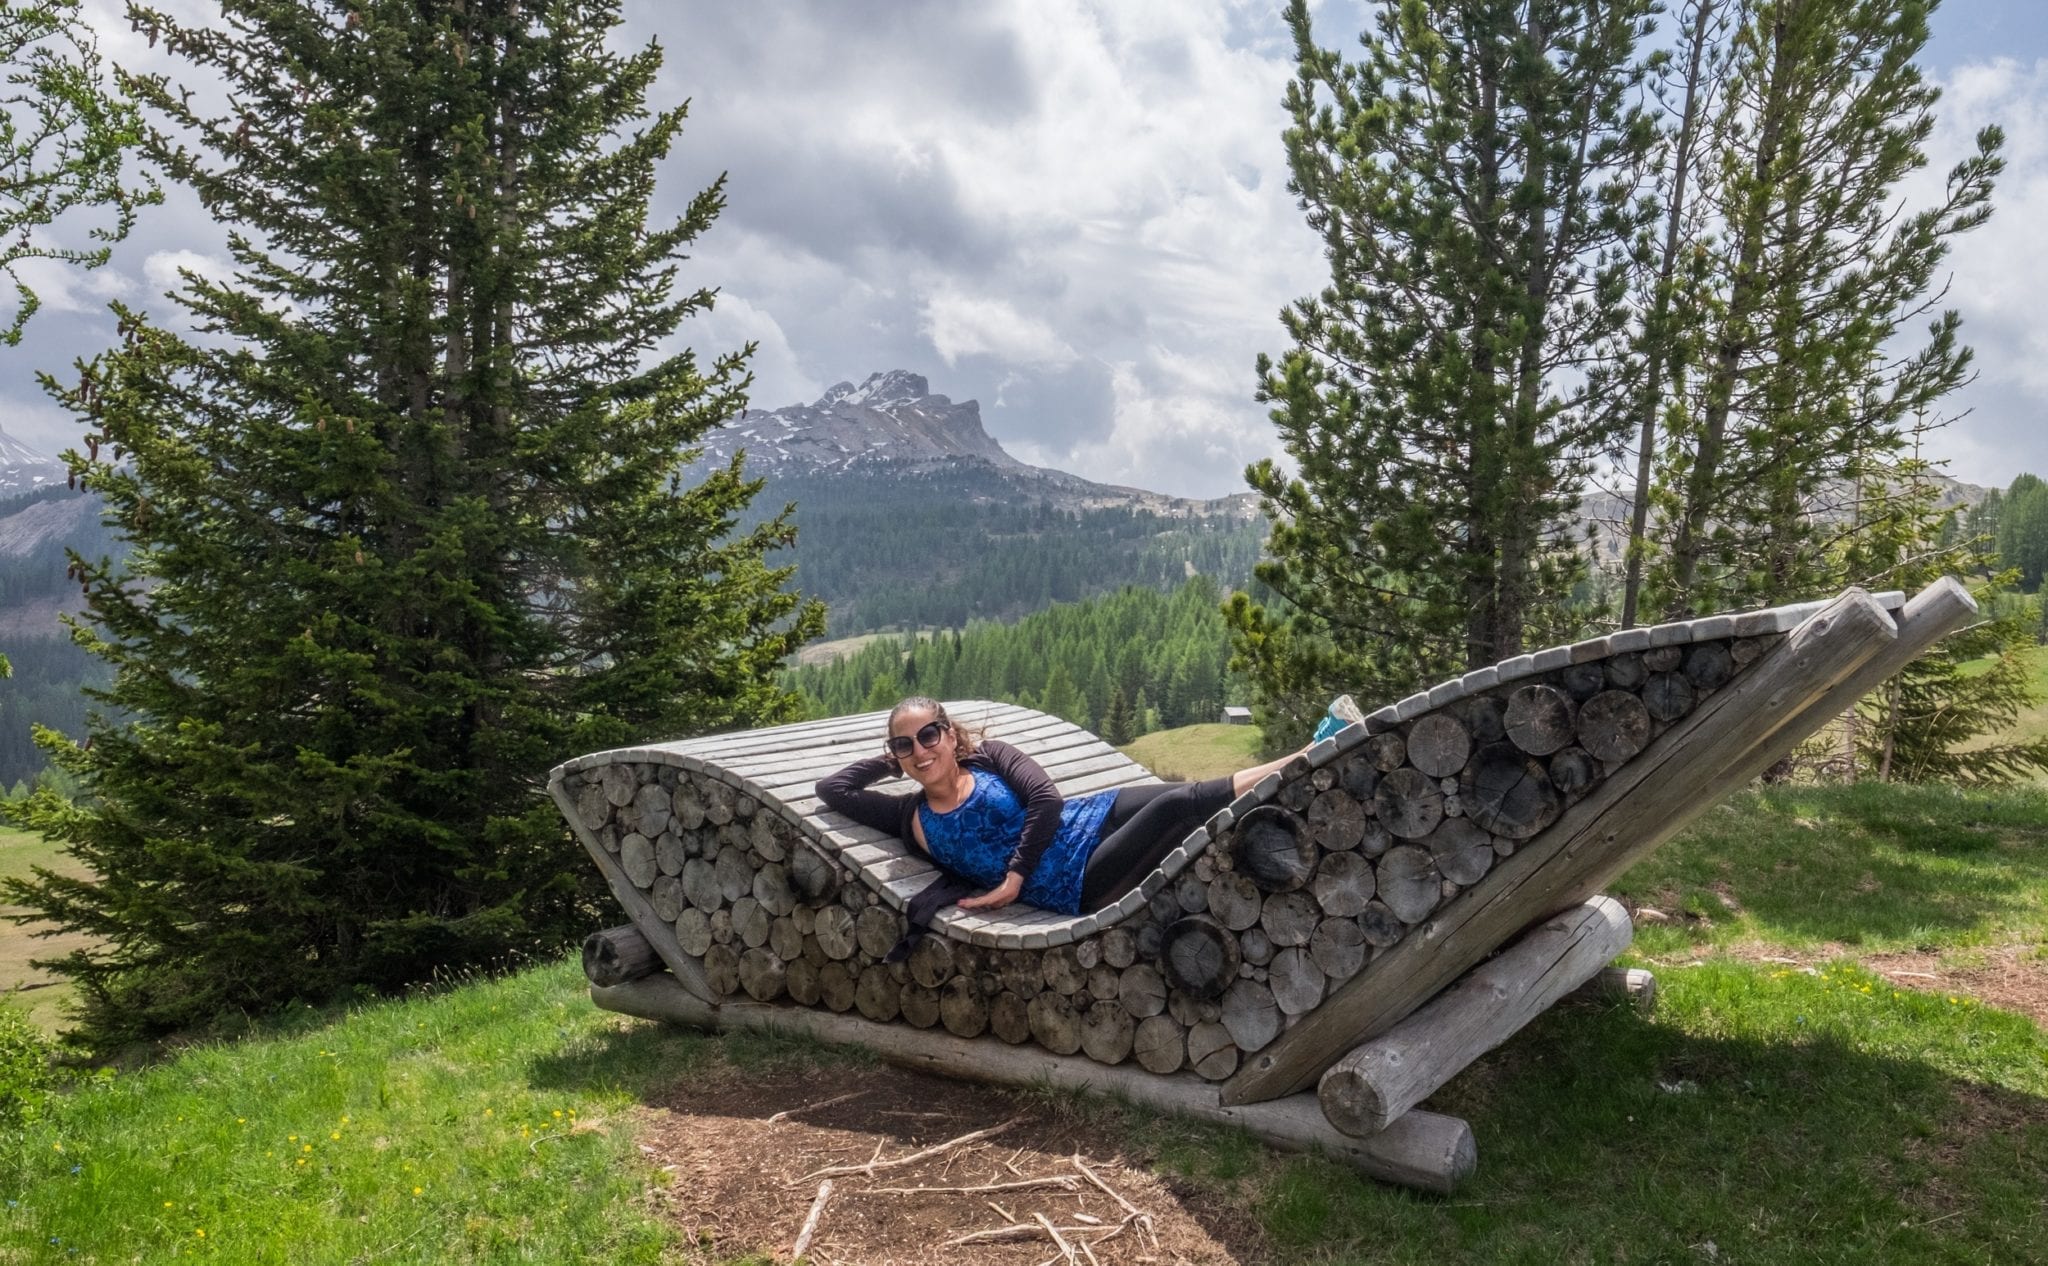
x=1279 y=900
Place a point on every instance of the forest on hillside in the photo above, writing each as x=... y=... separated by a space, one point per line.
x=1122 y=665
x=50 y=672
x=902 y=549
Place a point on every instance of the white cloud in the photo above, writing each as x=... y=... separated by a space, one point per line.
x=1074 y=210
x=962 y=325
x=779 y=376
x=163 y=269
x=1998 y=273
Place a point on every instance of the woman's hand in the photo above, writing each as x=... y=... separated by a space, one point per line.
x=997 y=897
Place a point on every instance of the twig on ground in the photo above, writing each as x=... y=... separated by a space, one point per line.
x=1007 y=1215
x=1061 y=1240
x=823 y=1103
x=1132 y=1212
x=803 y=1237
x=1015 y=1231
x=869 y=1169
x=1087 y=1252
x=1062 y=1181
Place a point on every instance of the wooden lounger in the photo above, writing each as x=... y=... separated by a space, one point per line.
x=1319 y=935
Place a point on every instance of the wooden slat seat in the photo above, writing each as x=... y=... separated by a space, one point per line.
x=780 y=767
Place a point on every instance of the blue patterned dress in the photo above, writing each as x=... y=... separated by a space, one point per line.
x=977 y=839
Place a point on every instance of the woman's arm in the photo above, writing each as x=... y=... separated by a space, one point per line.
x=847 y=792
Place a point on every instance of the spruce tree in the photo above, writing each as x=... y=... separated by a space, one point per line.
x=412 y=521
x=1474 y=176
x=1951 y=716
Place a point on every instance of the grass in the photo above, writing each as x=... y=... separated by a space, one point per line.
x=30 y=989
x=1868 y=868
x=1197 y=751
x=459 y=1127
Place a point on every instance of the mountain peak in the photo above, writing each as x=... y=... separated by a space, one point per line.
x=895 y=386
x=22 y=469
x=892 y=416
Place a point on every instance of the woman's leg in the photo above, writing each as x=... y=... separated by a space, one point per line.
x=1245 y=779
x=1144 y=825
x=1147 y=823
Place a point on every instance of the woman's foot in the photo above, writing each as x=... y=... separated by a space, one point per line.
x=1343 y=712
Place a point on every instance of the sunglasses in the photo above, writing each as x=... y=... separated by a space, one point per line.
x=900 y=744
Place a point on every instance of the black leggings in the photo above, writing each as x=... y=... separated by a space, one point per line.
x=1143 y=826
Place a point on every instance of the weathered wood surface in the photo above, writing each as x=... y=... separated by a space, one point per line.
x=1636 y=986
x=617 y=955
x=1634 y=810
x=1423 y=1150
x=1366 y=1090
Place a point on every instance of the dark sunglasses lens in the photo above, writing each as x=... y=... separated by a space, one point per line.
x=928 y=736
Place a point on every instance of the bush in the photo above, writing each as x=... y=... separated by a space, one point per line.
x=25 y=1073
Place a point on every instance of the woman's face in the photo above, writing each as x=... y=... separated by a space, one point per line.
x=934 y=755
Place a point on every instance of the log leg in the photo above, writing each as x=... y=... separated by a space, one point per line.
x=617 y=955
x=1368 y=1089
x=1633 y=985
x=1423 y=1150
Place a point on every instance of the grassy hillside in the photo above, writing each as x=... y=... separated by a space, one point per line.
x=32 y=990
x=1197 y=751
x=1846 y=1063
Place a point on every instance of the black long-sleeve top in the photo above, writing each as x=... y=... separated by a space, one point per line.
x=847 y=792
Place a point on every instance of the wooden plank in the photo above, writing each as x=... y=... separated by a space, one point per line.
x=1423 y=1150
x=1633 y=811
x=1365 y=1091
x=834 y=731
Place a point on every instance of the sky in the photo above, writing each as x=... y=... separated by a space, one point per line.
x=1074 y=212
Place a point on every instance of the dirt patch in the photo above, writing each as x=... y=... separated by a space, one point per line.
x=744 y=1182
x=2009 y=977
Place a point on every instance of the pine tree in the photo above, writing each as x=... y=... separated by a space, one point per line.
x=1474 y=179
x=2022 y=530
x=1950 y=716
x=1786 y=431
x=1669 y=326
x=1061 y=697
x=412 y=524
x=1119 y=720
x=62 y=144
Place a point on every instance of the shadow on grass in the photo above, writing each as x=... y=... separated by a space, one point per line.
x=1867 y=864
x=1603 y=1135
x=645 y=1060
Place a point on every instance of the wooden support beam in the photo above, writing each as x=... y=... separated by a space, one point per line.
x=1423 y=1150
x=1642 y=804
x=1368 y=1089
x=1634 y=985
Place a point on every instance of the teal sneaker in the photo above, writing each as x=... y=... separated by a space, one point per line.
x=1343 y=711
